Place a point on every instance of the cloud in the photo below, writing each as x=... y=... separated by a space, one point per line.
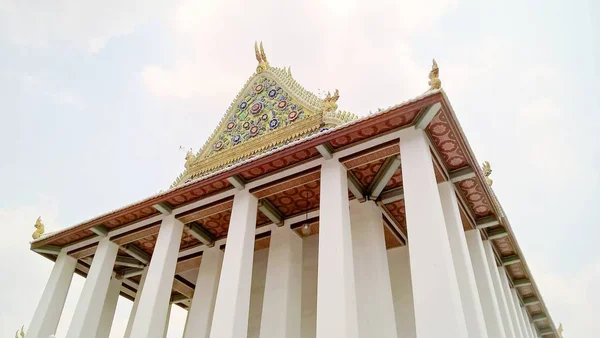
x=88 y=25
x=573 y=300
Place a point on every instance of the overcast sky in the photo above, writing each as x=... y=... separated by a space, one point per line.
x=97 y=97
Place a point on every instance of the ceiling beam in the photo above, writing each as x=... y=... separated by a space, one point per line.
x=531 y=300
x=132 y=272
x=355 y=187
x=390 y=218
x=487 y=222
x=48 y=249
x=179 y=299
x=392 y=196
x=128 y=261
x=183 y=288
x=100 y=230
x=423 y=120
x=136 y=253
x=512 y=259
x=497 y=233
x=383 y=176
x=200 y=234
x=462 y=174
x=164 y=208
x=539 y=317
x=269 y=210
x=237 y=181
x=325 y=150
x=521 y=282
x=545 y=332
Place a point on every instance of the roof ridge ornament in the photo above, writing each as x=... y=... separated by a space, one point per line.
x=487 y=171
x=39 y=228
x=330 y=102
x=261 y=57
x=434 y=77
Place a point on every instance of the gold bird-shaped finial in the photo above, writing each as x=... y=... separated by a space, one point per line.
x=39 y=228
x=487 y=171
x=434 y=77
x=261 y=57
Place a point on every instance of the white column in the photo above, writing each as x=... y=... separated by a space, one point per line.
x=282 y=302
x=462 y=262
x=110 y=305
x=167 y=320
x=336 y=297
x=435 y=287
x=399 y=264
x=520 y=318
x=154 y=303
x=485 y=286
x=509 y=302
x=89 y=307
x=203 y=304
x=508 y=326
x=230 y=317
x=136 y=302
x=374 y=302
x=530 y=326
x=49 y=309
x=310 y=258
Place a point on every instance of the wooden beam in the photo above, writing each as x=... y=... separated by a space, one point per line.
x=531 y=300
x=325 y=151
x=237 y=181
x=48 y=249
x=392 y=196
x=137 y=253
x=462 y=174
x=423 y=120
x=512 y=259
x=200 y=234
x=164 y=208
x=497 y=233
x=487 y=222
x=100 y=230
x=392 y=220
x=128 y=261
x=132 y=272
x=539 y=317
x=269 y=210
x=546 y=332
x=183 y=288
x=383 y=176
x=521 y=282
x=355 y=187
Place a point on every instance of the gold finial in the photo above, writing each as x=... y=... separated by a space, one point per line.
x=261 y=57
x=330 y=102
x=487 y=171
x=20 y=334
x=434 y=77
x=39 y=229
x=560 y=331
x=189 y=157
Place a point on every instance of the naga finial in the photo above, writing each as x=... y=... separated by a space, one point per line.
x=560 y=331
x=487 y=171
x=261 y=57
x=20 y=334
x=330 y=102
x=189 y=157
x=39 y=229
x=434 y=77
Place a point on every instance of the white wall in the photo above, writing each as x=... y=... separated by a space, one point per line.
x=257 y=291
x=310 y=249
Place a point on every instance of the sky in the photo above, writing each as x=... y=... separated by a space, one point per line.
x=96 y=99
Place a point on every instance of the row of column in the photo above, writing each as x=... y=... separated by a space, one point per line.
x=449 y=276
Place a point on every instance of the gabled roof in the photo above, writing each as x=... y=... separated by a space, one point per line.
x=271 y=110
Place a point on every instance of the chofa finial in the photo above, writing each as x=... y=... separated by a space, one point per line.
x=330 y=102
x=20 y=333
x=487 y=171
x=434 y=77
x=560 y=331
x=39 y=229
x=261 y=57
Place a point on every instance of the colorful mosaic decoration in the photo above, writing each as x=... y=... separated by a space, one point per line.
x=263 y=108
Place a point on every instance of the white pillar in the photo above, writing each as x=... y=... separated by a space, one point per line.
x=374 y=302
x=203 y=304
x=110 y=305
x=89 y=307
x=399 y=264
x=154 y=303
x=435 y=287
x=529 y=324
x=509 y=302
x=336 y=297
x=462 y=262
x=520 y=318
x=136 y=302
x=508 y=326
x=49 y=309
x=167 y=320
x=310 y=258
x=282 y=302
x=230 y=317
x=485 y=287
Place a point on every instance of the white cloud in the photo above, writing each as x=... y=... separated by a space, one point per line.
x=87 y=24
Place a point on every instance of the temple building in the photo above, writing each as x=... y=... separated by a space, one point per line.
x=298 y=219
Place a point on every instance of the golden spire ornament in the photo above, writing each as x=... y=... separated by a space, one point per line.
x=20 y=334
x=39 y=229
x=560 y=331
x=434 y=77
x=261 y=57
x=487 y=171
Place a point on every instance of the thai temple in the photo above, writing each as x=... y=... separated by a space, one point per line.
x=298 y=219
